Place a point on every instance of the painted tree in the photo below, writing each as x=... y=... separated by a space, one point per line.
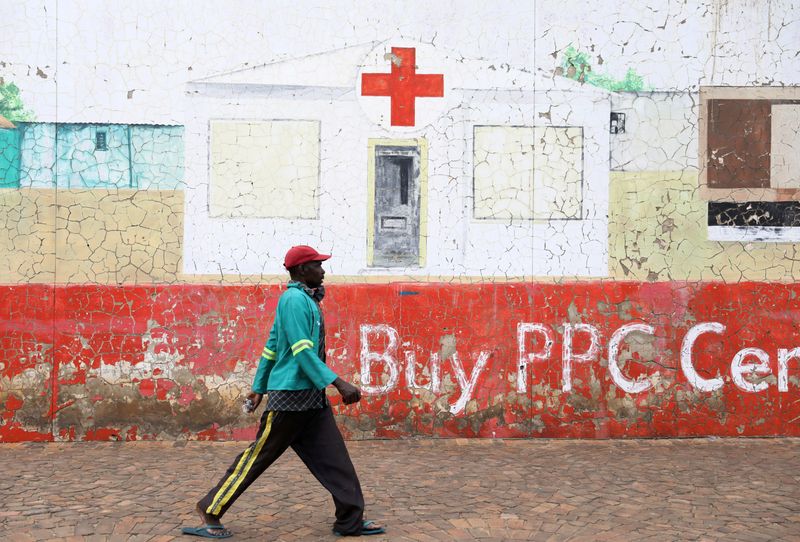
x=11 y=106
x=576 y=65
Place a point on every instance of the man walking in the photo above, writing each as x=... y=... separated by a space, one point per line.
x=293 y=374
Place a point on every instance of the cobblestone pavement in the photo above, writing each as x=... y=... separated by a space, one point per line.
x=425 y=490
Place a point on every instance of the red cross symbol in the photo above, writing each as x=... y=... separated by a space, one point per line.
x=404 y=85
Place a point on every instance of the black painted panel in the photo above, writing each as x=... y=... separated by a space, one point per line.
x=754 y=213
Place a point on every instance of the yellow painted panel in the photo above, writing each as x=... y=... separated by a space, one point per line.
x=265 y=169
x=90 y=236
x=557 y=172
x=658 y=232
x=503 y=172
x=27 y=236
x=524 y=172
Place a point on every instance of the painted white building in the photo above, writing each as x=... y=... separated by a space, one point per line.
x=491 y=170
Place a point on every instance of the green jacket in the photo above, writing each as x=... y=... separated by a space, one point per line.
x=289 y=360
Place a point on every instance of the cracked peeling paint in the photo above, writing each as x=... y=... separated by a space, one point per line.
x=527 y=221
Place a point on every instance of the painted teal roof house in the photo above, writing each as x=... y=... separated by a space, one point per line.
x=92 y=155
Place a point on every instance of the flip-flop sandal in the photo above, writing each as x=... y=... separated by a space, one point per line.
x=366 y=530
x=205 y=531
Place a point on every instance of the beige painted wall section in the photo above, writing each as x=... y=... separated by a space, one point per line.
x=658 y=232
x=27 y=236
x=524 y=172
x=267 y=169
x=94 y=236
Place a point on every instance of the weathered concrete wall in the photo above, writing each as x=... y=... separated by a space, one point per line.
x=510 y=360
x=551 y=218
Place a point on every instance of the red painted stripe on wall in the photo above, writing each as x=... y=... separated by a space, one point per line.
x=586 y=360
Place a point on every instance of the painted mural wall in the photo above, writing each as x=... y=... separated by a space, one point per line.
x=547 y=220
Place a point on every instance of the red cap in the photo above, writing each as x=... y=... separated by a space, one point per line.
x=302 y=254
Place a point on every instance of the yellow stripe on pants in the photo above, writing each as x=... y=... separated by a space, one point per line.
x=230 y=479
x=226 y=495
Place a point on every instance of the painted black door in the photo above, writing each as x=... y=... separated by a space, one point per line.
x=397 y=207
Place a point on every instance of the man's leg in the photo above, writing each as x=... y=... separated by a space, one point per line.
x=275 y=433
x=321 y=447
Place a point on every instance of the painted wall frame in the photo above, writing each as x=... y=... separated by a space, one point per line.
x=219 y=121
x=532 y=219
x=776 y=95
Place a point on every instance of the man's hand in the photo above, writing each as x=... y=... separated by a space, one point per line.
x=255 y=400
x=350 y=394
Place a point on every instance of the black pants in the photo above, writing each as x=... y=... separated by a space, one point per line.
x=316 y=439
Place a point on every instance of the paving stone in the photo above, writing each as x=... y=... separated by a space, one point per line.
x=424 y=491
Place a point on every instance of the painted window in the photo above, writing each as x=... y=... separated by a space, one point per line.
x=528 y=172
x=749 y=141
x=748 y=146
x=100 y=141
x=264 y=169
